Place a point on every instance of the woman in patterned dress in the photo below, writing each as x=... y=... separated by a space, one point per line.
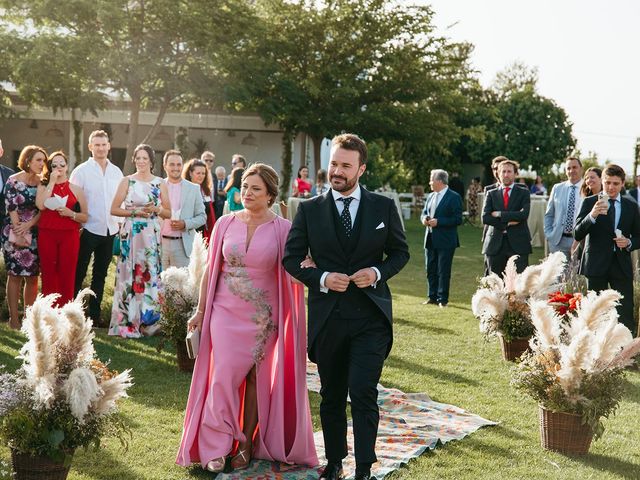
x=19 y=231
x=141 y=199
x=248 y=396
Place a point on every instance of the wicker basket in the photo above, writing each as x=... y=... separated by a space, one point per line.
x=564 y=432
x=185 y=364
x=28 y=467
x=511 y=350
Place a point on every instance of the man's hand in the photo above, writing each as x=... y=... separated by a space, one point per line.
x=178 y=225
x=599 y=208
x=512 y=223
x=366 y=277
x=622 y=242
x=338 y=282
x=495 y=214
x=432 y=223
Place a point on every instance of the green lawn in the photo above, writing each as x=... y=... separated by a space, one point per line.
x=438 y=351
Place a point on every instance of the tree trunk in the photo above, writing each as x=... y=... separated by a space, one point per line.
x=287 y=166
x=132 y=139
x=317 y=161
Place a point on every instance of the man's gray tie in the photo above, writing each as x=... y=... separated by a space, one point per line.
x=345 y=216
x=571 y=209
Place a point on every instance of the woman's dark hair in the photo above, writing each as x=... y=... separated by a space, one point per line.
x=46 y=171
x=27 y=154
x=321 y=177
x=187 y=172
x=584 y=190
x=150 y=152
x=300 y=170
x=235 y=179
x=268 y=175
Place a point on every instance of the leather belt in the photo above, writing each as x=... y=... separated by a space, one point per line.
x=567 y=234
x=171 y=238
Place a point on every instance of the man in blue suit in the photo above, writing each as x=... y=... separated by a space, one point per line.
x=441 y=215
x=562 y=210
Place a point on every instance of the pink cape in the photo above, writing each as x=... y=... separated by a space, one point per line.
x=285 y=431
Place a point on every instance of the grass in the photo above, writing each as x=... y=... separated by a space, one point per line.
x=438 y=351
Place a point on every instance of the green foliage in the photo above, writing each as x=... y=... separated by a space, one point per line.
x=386 y=167
x=175 y=311
x=516 y=324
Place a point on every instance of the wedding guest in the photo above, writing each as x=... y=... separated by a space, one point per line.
x=321 y=186
x=196 y=171
x=237 y=161
x=209 y=159
x=592 y=182
x=5 y=173
x=233 y=189
x=219 y=195
x=63 y=209
x=98 y=178
x=19 y=232
x=538 y=187
x=635 y=191
x=251 y=361
x=142 y=199
x=187 y=212
x=302 y=185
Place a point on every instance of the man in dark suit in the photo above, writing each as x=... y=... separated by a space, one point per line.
x=506 y=210
x=5 y=173
x=441 y=215
x=610 y=227
x=635 y=192
x=348 y=232
x=219 y=195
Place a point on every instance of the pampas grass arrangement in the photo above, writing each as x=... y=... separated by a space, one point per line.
x=576 y=364
x=501 y=303
x=62 y=397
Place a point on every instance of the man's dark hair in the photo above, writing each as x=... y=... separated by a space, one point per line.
x=576 y=159
x=614 y=171
x=350 y=141
x=168 y=153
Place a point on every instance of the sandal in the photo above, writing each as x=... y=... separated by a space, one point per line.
x=216 y=465
x=241 y=460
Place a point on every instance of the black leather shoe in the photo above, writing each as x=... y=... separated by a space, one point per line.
x=332 y=471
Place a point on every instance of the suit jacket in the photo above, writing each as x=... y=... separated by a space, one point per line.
x=599 y=247
x=633 y=193
x=5 y=173
x=517 y=211
x=381 y=244
x=449 y=216
x=192 y=212
x=497 y=184
x=556 y=214
x=218 y=200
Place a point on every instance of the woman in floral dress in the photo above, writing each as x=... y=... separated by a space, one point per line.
x=19 y=231
x=141 y=199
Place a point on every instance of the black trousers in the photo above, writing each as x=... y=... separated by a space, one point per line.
x=101 y=247
x=617 y=281
x=438 y=265
x=350 y=354
x=498 y=262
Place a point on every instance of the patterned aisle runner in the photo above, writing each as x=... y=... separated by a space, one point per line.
x=410 y=423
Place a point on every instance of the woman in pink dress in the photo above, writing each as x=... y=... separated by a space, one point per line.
x=248 y=395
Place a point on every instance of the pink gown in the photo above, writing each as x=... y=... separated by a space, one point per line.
x=254 y=316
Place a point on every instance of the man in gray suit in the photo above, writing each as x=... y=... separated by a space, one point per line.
x=563 y=208
x=187 y=214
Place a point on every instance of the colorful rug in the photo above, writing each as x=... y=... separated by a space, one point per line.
x=410 y=423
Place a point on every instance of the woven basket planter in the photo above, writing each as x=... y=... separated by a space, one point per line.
x=28 y=467
x=511 y=350
x=564 y=432
x=185 y=364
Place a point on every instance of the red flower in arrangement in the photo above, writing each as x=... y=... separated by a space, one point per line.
x=140 y=277
x=564 y=302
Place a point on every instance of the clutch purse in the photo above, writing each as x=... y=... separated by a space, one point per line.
x=20 y=241
x=193 y=343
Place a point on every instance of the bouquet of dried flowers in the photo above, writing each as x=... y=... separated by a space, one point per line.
x=576 y=364
x=501 y=303
x=62 y=397
x=179 y=298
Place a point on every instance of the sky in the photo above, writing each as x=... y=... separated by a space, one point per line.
x=586 y=53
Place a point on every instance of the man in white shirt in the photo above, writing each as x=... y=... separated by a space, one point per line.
x=563 y=207
x=99 y=178
x=187 y=214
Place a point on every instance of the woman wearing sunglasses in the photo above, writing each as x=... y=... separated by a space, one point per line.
x=64 y=209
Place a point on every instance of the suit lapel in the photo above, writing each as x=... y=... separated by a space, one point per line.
x=367 y=221
x=445 y=198
x=330 y=211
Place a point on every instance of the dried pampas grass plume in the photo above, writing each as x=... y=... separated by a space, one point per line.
x=81 y=390
x=593 y=309
x=609 y=340
x=547 y=324
x=625 y=357
x=197 y=262
x=113 y=389
x=573 y=359
x=80 y=335
x=510 y=274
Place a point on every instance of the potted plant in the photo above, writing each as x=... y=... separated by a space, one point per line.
x=179 y=299
x=62 y=397
x=575 y=369
x=501 y=303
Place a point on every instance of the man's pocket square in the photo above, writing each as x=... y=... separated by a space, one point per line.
x=380 y=226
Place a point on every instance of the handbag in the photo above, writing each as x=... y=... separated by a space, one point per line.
x=20 y=241
x=193 y=343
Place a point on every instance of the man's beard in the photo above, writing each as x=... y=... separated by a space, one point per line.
x=348 y=184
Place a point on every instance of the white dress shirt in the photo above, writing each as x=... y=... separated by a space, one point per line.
x=99 y=189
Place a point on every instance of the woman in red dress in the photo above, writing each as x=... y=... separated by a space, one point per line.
x=64 y=209
x=302 y=185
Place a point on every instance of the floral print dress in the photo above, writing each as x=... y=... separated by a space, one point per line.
x=20 y=261
x=135 y=300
